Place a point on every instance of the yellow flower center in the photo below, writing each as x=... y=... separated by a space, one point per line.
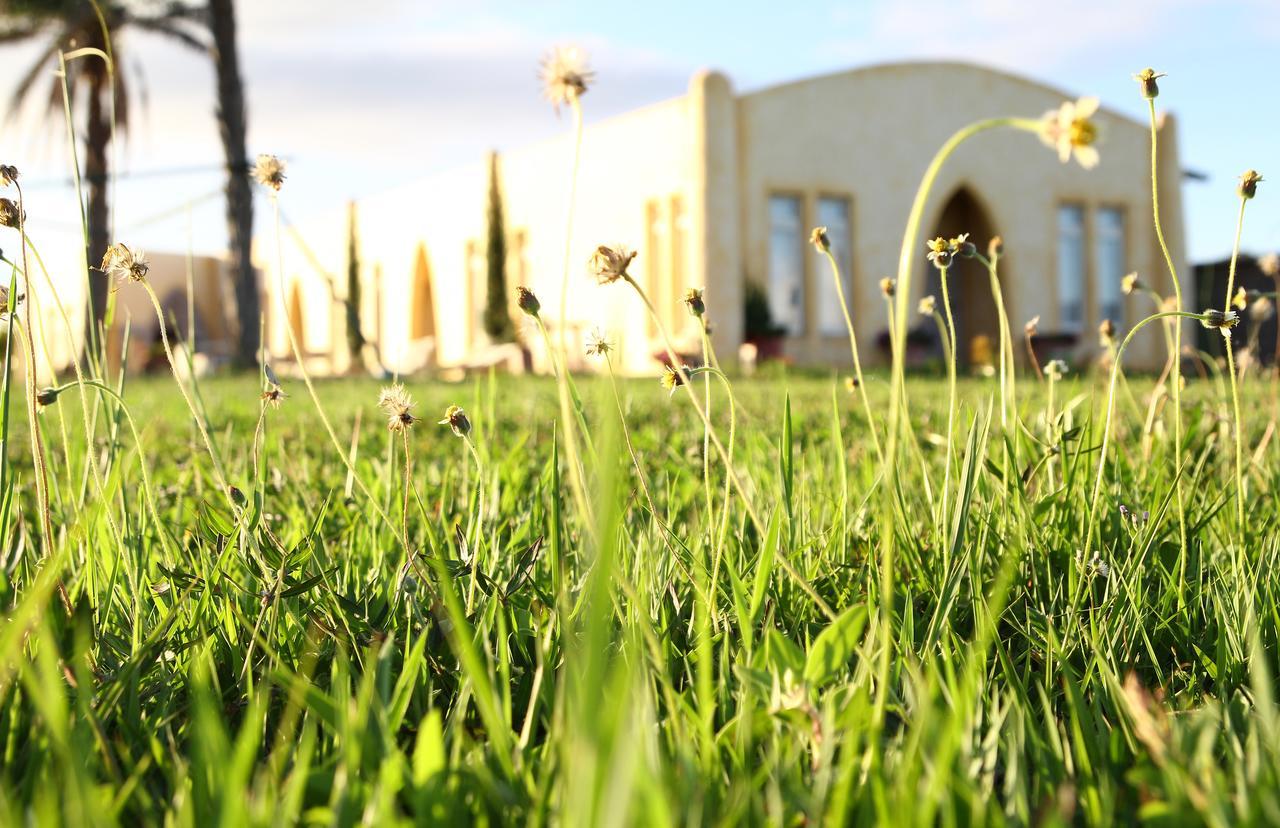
x=1083 y=132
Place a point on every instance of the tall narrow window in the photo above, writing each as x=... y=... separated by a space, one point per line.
x=833 y=214
x=786 y=263
x=678 y=282
x=1108 y=263
x=1071 y=267
x=654 y=255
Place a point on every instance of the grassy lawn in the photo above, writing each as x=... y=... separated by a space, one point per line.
x=307 y=650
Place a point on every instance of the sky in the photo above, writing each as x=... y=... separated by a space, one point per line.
x=360 y=102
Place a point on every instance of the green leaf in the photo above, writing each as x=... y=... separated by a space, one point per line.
x=835 y=645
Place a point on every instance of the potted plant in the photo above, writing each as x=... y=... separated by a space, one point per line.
x=758 y=325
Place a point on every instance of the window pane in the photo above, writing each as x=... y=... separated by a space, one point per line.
x=833 y=213
x=1071 y=267
x=786 y=263
x=1109 y=263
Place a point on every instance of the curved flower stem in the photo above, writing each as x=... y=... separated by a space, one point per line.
x=897 y=381
x=195 y=413
x=306 y=377
x=576 y=474
x=790 y=569
x=1008 y=376
x=1177 y=344
x=706 y=430
x=1231 y=369
x=1106 y=428
x=951 y=404
x=853 y=348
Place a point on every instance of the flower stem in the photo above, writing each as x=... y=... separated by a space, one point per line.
x=853 y=348
x=1231 y=369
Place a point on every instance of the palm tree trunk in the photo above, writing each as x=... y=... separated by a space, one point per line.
x=97 y=140
x=232 y=127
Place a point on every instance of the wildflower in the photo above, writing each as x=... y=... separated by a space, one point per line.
x=1261 y=309
x=527 y=301
x=609 y=264
x=124 y=265
x=1130 y=283
x=398 y=405
x=456 y=419
x=1032 y=328
x=46 y=397
x=1224 y=321
x=269 y=172
x=818 y=238
x=1270 y=265
x=888 y=287
x=1249 y=184
x=1107 y=333
x=1071 y=131
x=597 y=345
x=672 y=378
x=961 y=246
x=1241 y=300
x=8 y=174
x=1095 y=565
x=940 y=251
x=1055 y=369
x=1138 y=519
x=1147 y=79
x=851 y=384
x=693 y=300
x=273 y=394
x=928 y=306
x=995 y=248
x=10 y=214
x=565 y=75
x=789 y=693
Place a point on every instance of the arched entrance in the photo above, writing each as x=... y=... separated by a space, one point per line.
x=974 y=309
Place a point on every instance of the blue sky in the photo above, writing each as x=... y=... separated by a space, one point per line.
x=358 y=104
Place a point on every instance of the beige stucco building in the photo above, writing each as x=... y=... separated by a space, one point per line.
x=718 y=189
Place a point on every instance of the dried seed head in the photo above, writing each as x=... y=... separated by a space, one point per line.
x=269 y=172
x=888 y=287
x=565 y=75
x=398 y=406
x=820 y=240
x=1249 y=184
x=940 y=252
x=1071 y=131
x=693 y=300
x=1055 y=369
x=597 y=345
x=961 y=246
x=1147 y=80
x=672 y=378
x=456 y=419
x=1130 y=283
x=1107 y=333
x=8 y=174
x=928 y=306
x=10 y=214
x=46 y=397
x=120 y=264
x=1261 y=309
x=1032 y=328
x=527 y=301
x=1223 y=321
x=609 y=264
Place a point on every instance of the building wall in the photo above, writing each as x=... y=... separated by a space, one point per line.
x=869 y=134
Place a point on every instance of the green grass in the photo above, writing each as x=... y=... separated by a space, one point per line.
x=279 y=659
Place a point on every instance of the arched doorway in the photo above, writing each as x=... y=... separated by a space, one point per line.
x=974 y=309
